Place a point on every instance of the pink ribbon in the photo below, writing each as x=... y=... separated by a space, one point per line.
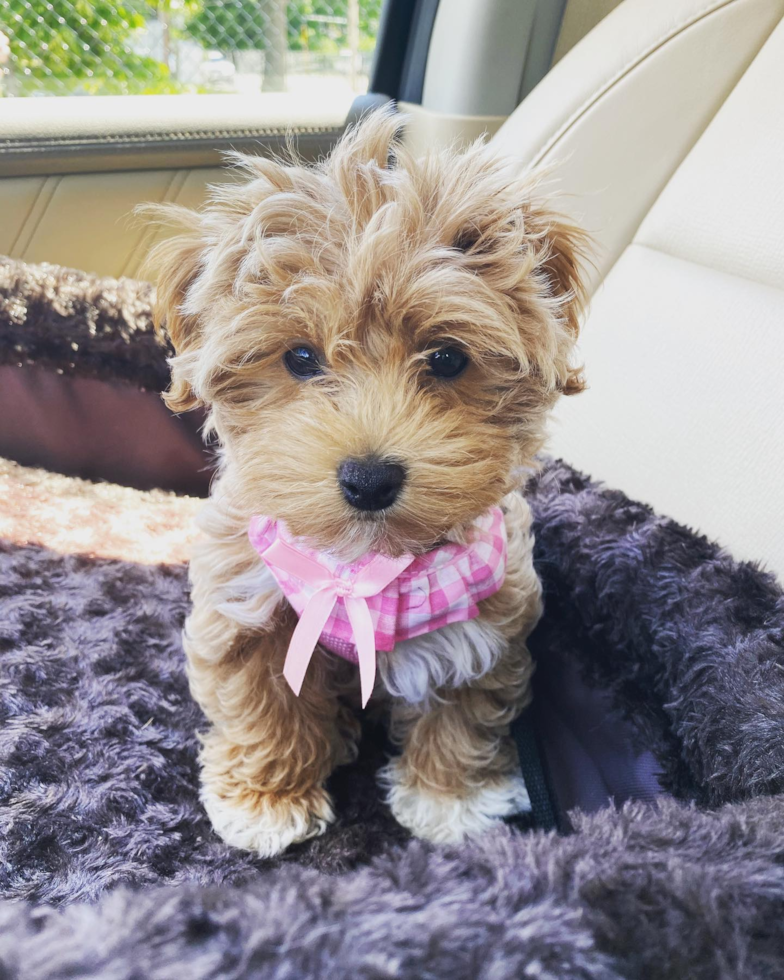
x=367 y=581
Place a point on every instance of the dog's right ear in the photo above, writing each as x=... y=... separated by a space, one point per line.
x=176 y=263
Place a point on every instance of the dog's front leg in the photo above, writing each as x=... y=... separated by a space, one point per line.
x=458 y=772
x=268 y=753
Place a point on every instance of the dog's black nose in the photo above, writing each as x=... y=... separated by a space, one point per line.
x=369 y=484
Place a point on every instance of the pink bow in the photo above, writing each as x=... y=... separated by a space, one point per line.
x=367 y=581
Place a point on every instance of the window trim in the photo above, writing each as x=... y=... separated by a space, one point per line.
x=72 y=134
x=402 y=45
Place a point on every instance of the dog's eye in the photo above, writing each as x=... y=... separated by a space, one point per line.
x=447 y=362
x=303 y=362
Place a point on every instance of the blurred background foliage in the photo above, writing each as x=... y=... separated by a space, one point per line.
x=61 y=47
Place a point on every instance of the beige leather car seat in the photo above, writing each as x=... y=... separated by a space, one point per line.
x=665 y=125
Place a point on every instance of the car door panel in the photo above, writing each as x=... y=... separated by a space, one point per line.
x=87 y=221
x=73 y=170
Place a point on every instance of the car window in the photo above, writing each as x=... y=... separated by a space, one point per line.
x=76 y=47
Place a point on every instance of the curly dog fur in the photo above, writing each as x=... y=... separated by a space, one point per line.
x=372 y=266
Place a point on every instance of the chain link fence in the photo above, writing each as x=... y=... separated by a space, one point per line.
x=76 y=47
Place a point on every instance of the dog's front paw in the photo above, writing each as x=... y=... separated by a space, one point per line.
x=447 y=819
x=265 y=825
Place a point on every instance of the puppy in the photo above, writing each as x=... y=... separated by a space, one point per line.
x=378 y=340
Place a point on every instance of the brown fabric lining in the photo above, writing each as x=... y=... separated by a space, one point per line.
x=80 y=371
x=100 y=430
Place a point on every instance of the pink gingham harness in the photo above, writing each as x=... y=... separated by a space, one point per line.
x=374 y=603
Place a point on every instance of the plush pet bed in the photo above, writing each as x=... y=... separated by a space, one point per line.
x=78 y=324
x=108 y=866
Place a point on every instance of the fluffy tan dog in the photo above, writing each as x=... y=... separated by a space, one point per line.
x=412 y=316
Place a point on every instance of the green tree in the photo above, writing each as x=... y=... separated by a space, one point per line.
x=308 y=31
x=277 y=26
x=254 y=25
x=61 y=46
x=230 y=25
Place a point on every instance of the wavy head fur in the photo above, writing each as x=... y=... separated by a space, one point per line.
x=373 y=259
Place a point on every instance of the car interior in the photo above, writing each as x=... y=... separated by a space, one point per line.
x=660 y=127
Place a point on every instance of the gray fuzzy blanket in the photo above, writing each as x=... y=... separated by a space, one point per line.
x=109 y=868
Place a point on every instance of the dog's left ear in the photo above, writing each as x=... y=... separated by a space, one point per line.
x=562 y=257
x=524 y=250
